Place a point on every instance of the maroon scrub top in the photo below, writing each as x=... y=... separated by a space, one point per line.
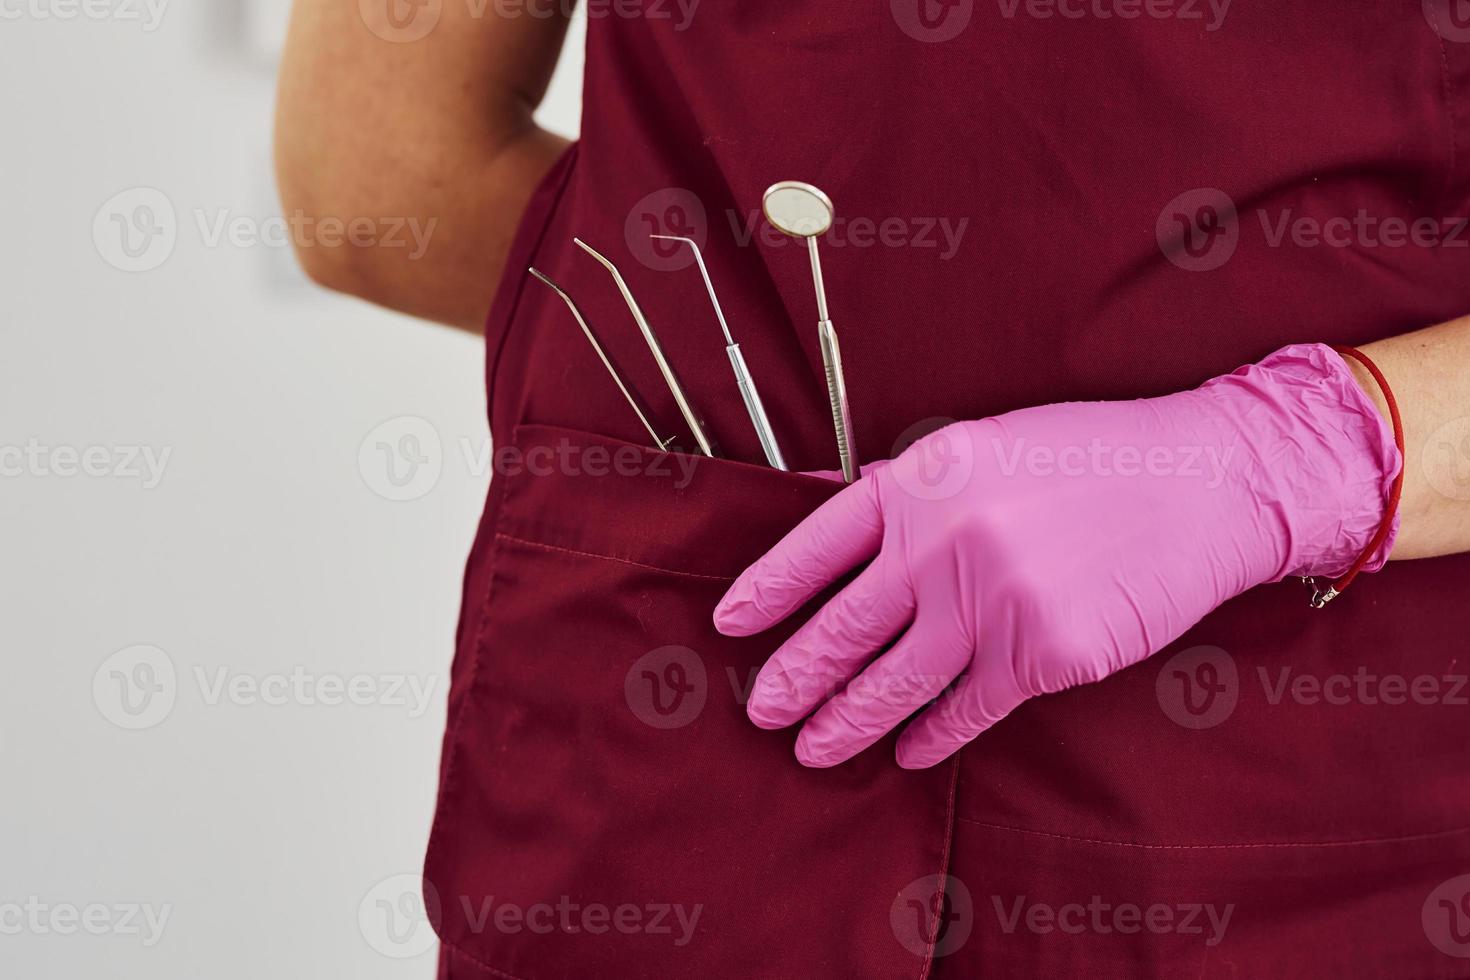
x=1038 y=200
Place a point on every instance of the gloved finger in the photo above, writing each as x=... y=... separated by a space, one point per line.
x=833 y=645
x=835 y=538
x=891 y=689
x=980 y=699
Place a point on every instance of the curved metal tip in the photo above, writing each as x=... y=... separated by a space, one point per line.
x=596 y=255
x=545 y=278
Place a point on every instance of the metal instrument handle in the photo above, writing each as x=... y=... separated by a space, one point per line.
x=837 y=396
x=756 y=409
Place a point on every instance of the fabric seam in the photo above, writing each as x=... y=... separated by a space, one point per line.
x=949 y=826
x=532 y=543
x=1367 y=841
x=1447 y=91
x=492 y=371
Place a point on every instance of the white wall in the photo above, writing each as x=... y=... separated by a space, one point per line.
x=261 y=548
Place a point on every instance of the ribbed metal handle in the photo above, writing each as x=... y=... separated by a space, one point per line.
x=837 y=396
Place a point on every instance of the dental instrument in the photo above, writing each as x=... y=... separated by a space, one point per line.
x=633 y=400
x=802 y=211
x=743 y=379
x=691 y=417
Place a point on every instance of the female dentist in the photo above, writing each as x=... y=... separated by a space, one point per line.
x=1171 y=298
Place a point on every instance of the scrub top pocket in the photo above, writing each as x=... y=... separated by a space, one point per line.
x=607 y=809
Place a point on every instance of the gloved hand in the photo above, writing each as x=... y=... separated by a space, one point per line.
x=1049 y=547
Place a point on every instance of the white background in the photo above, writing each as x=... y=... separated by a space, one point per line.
x=269 y=833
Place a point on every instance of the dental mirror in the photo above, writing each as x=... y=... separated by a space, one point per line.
x=797 y=209
x=802 y=211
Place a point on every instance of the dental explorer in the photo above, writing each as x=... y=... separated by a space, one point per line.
x=633 y=400
x=746 y=383
x=696 y=425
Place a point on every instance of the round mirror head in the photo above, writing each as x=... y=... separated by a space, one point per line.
x=797 y=208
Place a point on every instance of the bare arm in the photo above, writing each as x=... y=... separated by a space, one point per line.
x=1429 y=371
x=436 y=133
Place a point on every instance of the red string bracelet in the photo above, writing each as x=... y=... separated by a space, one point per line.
x=1320 y=596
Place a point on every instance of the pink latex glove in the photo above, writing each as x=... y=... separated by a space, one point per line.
x=1050 y=547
